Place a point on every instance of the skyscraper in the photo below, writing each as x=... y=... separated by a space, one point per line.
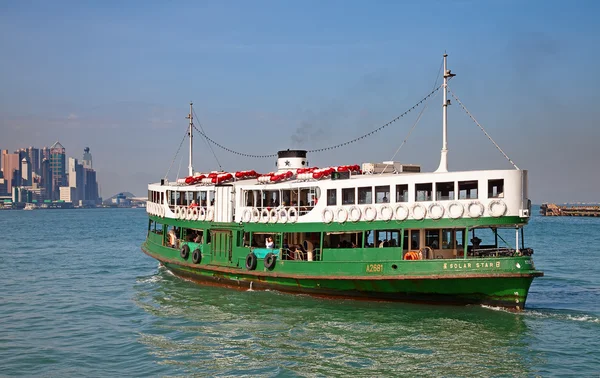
x=26 y=174
x=91 y=186
x=46 y=178
x=57 y=166
x=34 y=159
x=11 y=169
x=87 y=158
x=76 y=179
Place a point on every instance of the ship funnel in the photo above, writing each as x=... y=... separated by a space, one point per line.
x=291 y=160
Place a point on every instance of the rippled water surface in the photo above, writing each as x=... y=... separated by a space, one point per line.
x=79 y=298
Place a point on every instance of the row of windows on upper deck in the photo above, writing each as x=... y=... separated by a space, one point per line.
x=183 y=198
x=444 y=191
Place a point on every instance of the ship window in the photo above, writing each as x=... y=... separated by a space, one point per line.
x=411 y=239
x=365 y=195
x=349 y=239
x=467 y=189
x=423 y=192
x=162 y=197
x=384 y=239
x=286 y=197
x=402 y=193
x=447 y=239
x=270 y=198
x=203 y=198
x=432 y=239
x=496 y=188
x=444 y=191
x=382 y=194
x=331 y=197
x=211 y=197
x=348 y=196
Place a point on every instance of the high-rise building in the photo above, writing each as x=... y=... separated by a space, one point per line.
x=58 y=167
x=76 y=179
x=91 y=186
x=11 y=169
x=44 y=154
x=87 y=159
x=26 y=174
x=34 y=159
x=46 y=178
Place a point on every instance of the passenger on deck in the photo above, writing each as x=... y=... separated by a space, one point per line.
x=269 y=243
x=193 y=204
x=198 y=238
x=172 y=239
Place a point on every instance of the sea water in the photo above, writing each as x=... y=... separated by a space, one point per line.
x=79 y=298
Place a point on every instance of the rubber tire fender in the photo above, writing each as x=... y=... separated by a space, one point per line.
x=251 y=261
x=185 y=252
x=196 y=256
x=270 y=260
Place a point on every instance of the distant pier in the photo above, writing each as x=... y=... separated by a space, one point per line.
x=553 y=210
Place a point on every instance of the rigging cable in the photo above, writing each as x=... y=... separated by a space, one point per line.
x=437 y=77
x=176 y=153
x=206 y=138
x=481 y=127
x=424 y=99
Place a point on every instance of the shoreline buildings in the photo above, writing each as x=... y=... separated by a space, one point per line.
x=47 y=177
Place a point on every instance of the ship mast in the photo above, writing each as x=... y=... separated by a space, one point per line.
x=191 y=118
x=444 y=158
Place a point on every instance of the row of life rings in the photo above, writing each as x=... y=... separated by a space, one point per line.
x=196 y=213
x=155 y=209
x=401 y=212
x=274 y=215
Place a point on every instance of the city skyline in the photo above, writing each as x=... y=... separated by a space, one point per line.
x=270 y=76
x=46 y=174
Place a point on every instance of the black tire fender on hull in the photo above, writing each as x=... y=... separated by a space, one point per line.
x=196 y=256
x=185 y=252
x=270 y=260
x=251 y=261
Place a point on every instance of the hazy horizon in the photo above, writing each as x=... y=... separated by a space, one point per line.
x=266 y=76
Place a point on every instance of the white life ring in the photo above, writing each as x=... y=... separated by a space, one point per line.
x=292 y=215
x=247 y=215
x=210 y=214
x=419 y=211
x=327 y=215
x=189 y=213
x=273 y=215
x=202 y=214
x=265 y=216
x=456 y=210
x=283 y=215
x=386 y=213
x=341 y=214
x=195 y=213
x=369 y=213
x=436 y=211
x=153 y=209
x=179 y=212
x=161 y=210
x=401 y=212
x=497 y=208
x=475 y=209
x=354 y=214
x=255 y=215
x=149 y=208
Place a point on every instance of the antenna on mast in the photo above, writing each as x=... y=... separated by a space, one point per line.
x=444 y=158
x=191 y=118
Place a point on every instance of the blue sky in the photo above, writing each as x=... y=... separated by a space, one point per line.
x=269 y=75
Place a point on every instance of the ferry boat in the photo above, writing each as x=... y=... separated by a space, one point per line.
x=30 y=206
x=381 y=231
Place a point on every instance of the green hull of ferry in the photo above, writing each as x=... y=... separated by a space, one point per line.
x=367 y=273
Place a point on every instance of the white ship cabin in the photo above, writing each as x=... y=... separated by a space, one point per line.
x=373 y=192
x=389 y=191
